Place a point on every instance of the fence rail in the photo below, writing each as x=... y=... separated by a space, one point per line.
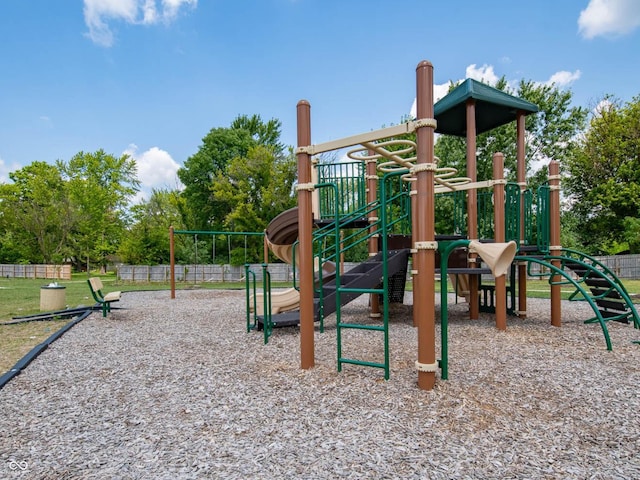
x=280 y=272
x=54 y=272
x=624 y=266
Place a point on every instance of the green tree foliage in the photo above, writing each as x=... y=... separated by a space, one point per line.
x=101 y=187
x=604 y=180
x=265 y=134
x=225 y=185
x=632 y=233
x=147 y=240
x=256 y=188
x=72 y=210
x=36 y=214
x=219 y=147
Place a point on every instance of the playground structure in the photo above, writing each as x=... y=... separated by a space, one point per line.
x=386 y=198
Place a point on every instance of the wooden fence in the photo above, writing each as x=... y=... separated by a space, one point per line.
x=55 y=272
x=624 y=266
x=280 y=272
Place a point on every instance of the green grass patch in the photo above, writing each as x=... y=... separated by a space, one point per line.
x=17 y=340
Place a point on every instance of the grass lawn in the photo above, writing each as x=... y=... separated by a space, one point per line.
x=20 y=297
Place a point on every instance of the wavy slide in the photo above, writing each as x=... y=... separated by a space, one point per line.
x=281 y=234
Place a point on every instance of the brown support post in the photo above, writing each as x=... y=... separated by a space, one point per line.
x=305 y=248
x=424 y=299
x=499 y=228
x=172 y=261
x=522 y=183
x=472 y=206
x=371 y=176
x=554 y=239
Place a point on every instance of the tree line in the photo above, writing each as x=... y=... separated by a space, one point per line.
x=82 y=210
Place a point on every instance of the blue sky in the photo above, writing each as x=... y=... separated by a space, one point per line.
x=152 y=77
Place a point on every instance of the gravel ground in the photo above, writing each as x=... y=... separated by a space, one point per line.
x=176 y=389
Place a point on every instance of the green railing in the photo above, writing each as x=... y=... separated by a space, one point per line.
x=542 y=218
x=485 y=214
x=529 y=217
x=536 y=214
x=349 y=194
x=389 y=214
x=512 y=212
x=252 y=303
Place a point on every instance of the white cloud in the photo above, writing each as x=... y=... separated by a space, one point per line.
x=99 y=13
x=604 y=105
x=564 y=78
x=484 y=74
x=156 y=169
x=609 y=18
x=439 y=91
x=6 y=169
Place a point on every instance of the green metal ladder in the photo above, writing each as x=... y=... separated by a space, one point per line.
x=385 y=220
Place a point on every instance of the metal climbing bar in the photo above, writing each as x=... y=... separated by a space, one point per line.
x=610 y=294
x=388 y=132
x=559 y=271
x=384 y=223
x=603 y=282
x=251 y=298
x=267 y=324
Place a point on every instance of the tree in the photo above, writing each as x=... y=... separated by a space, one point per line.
x=37 y=215
x=147 y=240
x=256 y=188
x=218 y=148
x=205 y=209
x=604 y=178
x=101 y=187
x=266 y=134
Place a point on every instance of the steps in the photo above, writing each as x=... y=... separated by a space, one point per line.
x=365 y=275
x=605 y=290
x=594 y=283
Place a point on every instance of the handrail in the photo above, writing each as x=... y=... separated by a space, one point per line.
x=559 y=271
x=608 y=274
x=249 y=273
x=267 y=324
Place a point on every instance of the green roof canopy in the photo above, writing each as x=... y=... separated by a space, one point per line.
x=493 y=108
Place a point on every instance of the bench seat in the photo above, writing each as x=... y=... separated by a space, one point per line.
x=105 y=301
